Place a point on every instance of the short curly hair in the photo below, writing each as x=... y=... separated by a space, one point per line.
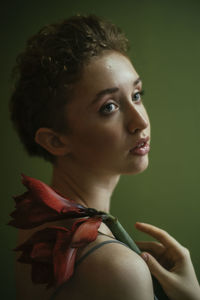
x=46 y=70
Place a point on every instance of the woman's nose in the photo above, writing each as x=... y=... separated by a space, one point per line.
x=137 y=119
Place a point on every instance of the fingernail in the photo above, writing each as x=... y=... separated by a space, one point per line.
x=145 y=256
x=137 y=223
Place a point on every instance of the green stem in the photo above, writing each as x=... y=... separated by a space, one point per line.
x=119 y=232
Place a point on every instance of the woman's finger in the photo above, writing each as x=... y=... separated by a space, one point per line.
x=156 y=269
x=153 y=247
x=162 y=236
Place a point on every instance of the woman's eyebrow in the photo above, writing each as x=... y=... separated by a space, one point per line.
x=109 y=91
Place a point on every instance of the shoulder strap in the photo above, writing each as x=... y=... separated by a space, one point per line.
x=96 y=247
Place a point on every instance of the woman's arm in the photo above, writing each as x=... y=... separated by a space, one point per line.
x=170 y=263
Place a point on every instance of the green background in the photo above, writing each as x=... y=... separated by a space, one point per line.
x=165 y=40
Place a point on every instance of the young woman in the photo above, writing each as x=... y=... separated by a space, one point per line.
x=78 y=103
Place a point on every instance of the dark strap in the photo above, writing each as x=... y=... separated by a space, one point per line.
x=96 y=247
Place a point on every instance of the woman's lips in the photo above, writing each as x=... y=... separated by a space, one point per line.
x=142 y=149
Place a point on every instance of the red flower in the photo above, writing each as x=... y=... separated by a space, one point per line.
x=52 y=251
x=42 y=204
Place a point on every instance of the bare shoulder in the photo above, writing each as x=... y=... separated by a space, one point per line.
x=113 y=272
x=116 y=272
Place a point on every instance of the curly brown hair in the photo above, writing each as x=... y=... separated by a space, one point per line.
x=46 y=70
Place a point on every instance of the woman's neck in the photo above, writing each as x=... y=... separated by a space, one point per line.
x=84 y=186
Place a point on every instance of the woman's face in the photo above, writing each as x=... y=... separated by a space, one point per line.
x=107 y=118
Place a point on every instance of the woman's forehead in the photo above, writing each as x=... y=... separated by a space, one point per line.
x=107 y=71
x=108 y=64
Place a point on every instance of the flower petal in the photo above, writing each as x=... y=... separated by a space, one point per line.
x=41 y=252
x=42 y=273
x=63 y=258
x=52 y=251
x=86 y=232
x=44 y=249
x=42 y=204
x=45 y=194
x=41 y=244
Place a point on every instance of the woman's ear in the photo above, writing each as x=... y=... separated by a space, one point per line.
x=55 y=143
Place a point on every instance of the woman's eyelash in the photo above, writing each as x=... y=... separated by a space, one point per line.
x=105 y=109
x=141 y=93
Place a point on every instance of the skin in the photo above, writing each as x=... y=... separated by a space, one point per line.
x=96 y=151
x=91 y=158
x=170 y=263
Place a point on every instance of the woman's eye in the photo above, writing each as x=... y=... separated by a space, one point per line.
x=138 y=96
x=108 y=108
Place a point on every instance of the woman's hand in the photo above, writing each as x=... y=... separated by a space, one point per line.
x=170 y=263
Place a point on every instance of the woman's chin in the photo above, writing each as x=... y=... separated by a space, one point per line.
x=138 y=166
